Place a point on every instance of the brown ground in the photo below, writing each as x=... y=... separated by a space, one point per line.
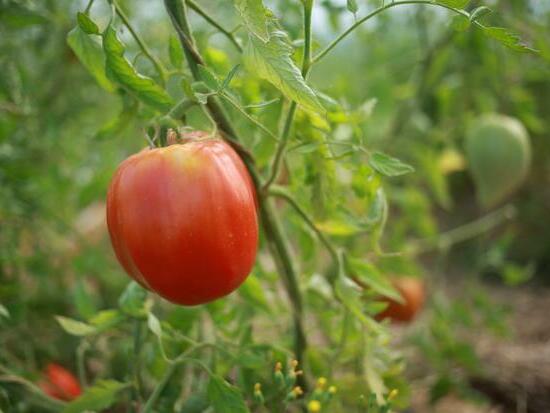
x=517 y=378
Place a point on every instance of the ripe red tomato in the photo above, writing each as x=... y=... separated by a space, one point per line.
x=60 y=383
x=183 y=220
x=412 y=291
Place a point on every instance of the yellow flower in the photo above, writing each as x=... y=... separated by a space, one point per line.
x=314 y=406
x=321 y=382
x=393 y=394
x=332 y=389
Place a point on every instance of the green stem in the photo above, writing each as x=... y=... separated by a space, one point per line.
x=281 y=193
x=157 y=63
x=89 y=6
x=463 y=233
x=170 y=371
x=138 y=341
x=359 y=22
x=306 y=65
x=250 y=118
x=204 y=14
x=38 y=397
x=272 y=228
x=277 y=244
x=80 y=362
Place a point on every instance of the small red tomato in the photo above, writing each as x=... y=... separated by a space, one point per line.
x=412 y=291
x=60 y=383
x=183 y=220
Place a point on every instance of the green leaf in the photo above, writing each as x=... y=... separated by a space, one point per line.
x=337 y=227
x=230 y=77
x=254 y=15
x=461 y=23
x=175 y=52
x=106 y=319
x=253 y=292
x=369 y=275
x=122 y=71
x=97 y=398
x=479 y=13
x=154 y=325
x=457 y=4
x=133 y=301
x=508 y=39
x=350 y=297
x=352 y=6
x=209 y=78
x=75 y=327
x=387 y=165
x=88 y=50
x=272 y=61
x=86 y=23
x=224 y=397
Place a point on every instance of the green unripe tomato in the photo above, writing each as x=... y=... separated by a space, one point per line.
x=499 y=156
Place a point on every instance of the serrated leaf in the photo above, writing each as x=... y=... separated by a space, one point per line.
x=388 y=165
x=254 y=15
x=89 y=51
x=479 y=13
x=86 y=23
x=352 y=6
x=96 y=398
x=175 y=52
x=457 y=4
x=75 y=327
x=224 y=397
x=209 y=78
x=508 y=39
x=272 y=61
x=122 y=71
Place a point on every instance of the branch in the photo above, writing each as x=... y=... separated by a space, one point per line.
x=359 y=22
x=283 y=194
x=273 y=230
x=204 y=14
x=462 y=233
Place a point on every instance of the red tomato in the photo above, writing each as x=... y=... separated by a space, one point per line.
x=183 y=220
x=412 y=291
x=60 y=383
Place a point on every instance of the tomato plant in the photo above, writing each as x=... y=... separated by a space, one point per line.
x=183 y=221
x=331 y=153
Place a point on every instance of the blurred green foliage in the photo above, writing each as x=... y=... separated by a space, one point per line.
x=407 y=84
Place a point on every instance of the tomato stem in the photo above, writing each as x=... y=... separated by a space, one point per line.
x=274 y=232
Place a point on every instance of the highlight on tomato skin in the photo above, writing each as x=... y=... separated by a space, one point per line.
x=60 y=383
x=413 y=293
x=183 y=219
